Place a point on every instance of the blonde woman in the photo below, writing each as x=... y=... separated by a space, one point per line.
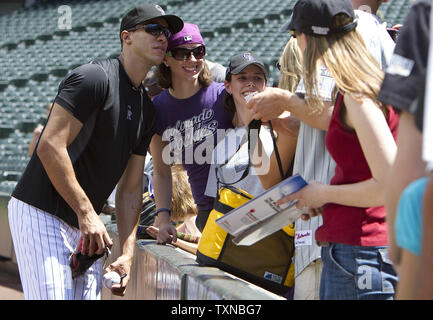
x=183 y=207
x=290 y=66
x=361 y=140
x=183 y=212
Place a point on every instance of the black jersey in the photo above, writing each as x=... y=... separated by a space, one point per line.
x=118 y=120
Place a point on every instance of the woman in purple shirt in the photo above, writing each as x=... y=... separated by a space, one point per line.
x=189 y=116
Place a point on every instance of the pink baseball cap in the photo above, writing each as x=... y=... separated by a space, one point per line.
x=189 y=34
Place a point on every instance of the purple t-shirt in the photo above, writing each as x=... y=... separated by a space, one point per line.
x=189 y=126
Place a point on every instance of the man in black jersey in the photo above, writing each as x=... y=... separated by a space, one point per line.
x=96 y=136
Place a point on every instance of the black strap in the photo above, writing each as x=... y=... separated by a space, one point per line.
x=277 y=154
x=254 y=124
x=235 y=190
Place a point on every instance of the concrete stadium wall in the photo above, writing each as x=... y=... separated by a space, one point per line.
x=160 y=272
x=169 y=273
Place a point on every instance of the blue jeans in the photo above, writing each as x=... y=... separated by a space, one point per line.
x=356 y=273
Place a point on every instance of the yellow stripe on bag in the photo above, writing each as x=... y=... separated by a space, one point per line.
x=290 y=279
x=233 y=199
x=215 y=237
x=290 y=230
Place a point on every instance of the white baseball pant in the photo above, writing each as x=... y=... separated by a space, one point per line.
x=43 y=244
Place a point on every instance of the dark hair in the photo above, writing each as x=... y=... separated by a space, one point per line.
x=121 y=41
x=228 y=102
x=163 y=76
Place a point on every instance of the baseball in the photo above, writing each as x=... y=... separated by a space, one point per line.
x=110 y=278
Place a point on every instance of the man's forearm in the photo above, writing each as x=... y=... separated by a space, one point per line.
x=128 y=209
x=60 y=131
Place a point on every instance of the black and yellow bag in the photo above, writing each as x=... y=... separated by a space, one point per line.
x=267 y=263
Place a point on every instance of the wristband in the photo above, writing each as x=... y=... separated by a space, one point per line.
x=163 y=209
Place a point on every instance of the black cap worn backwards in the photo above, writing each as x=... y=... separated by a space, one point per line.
x=240 y=61
x=314 y=17
x=143 y=13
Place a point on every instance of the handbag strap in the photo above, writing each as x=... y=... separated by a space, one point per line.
x=277 y=154
x=255 y=124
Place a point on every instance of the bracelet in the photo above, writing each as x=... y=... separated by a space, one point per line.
x=163 y=209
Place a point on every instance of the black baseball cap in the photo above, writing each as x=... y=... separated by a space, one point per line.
x=240 y=61
x=142 y=13
x=314 y=17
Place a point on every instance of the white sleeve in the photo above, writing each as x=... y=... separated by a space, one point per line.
x=387 y=46
x=326 y=85
x=376 y=38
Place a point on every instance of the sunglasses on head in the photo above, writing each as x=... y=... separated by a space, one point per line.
x=154 y=29
x=183 y=54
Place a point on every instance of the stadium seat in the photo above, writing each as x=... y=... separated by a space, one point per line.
x=43 y=53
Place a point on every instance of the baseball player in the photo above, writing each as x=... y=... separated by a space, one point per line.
x=96 y=136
